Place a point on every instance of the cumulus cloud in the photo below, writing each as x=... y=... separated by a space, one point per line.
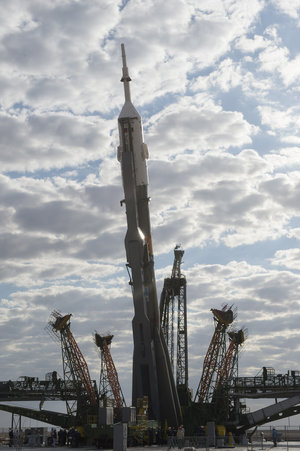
x=235 y=200
x=196 y=124
x=250 y=45
x=285 y=158
x=217 y=87
x=279 y=119
x=276 y=58
x=288 y=258
x=291 y=8
x=33 y=142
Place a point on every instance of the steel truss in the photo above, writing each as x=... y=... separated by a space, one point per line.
x=173 y=297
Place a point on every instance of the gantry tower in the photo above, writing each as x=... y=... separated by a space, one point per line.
x=172 y=301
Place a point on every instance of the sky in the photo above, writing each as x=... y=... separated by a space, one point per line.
x=217 y=86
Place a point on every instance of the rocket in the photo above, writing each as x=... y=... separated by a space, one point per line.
x=152 y=374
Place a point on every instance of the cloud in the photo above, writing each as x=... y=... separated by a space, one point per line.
x=59 y=219
x=279 y=119
x=196 y=124
x=251 y=45
x=48 y=141
x=288 y=258
x=285 y=158
x=276 y=58
x=229 y=199
x=284 y=191
x=291 y=8
x=217 y=86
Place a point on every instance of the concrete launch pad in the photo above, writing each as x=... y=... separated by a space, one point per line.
x=282 y=446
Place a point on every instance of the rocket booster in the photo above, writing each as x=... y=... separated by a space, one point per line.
x=152 y=374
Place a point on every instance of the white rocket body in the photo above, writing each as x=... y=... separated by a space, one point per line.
x=152 y=374
x=140 y=156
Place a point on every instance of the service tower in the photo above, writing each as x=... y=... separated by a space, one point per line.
x=152 y=373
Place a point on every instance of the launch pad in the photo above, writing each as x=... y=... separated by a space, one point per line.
x=160 y=390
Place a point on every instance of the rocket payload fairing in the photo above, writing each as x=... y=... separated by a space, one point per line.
x=152 y=373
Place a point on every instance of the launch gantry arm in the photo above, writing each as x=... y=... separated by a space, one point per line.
x=108 y=372
x=229 y=363
x=75 y=368
x=223 y=318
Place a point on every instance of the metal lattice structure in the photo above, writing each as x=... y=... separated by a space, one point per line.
x=75 y=369
x=173 y=298
x=215 y=354
x=110 y=392
x=32 y=389
x=227 y=371
x=229 y=366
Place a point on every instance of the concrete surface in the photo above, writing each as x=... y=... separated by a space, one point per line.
x=282 y=446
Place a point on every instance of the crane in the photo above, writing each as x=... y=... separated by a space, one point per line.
x=174 y=296
x=110 y=392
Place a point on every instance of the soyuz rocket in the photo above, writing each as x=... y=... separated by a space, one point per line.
x=152 y=374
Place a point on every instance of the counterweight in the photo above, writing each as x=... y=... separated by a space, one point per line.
x=152 y=373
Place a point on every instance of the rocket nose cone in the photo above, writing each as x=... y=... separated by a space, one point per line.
x=128 y=110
